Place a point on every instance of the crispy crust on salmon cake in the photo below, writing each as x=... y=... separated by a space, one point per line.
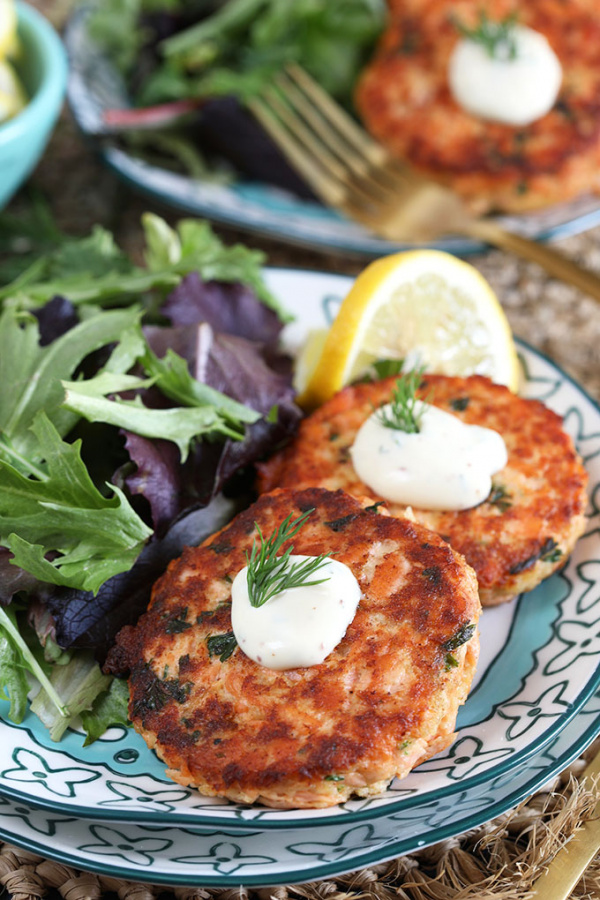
x=404 y=100
x=384 y=700
x=534 y=514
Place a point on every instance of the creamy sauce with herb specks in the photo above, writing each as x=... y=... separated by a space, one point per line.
x=299 y=626
x=446 y=465
x=515 y=91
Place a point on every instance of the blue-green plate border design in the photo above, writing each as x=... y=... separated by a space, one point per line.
x=161 y=854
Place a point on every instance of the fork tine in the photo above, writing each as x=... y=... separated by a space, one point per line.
x=356 y=189
x=311 y=139
x=332 y=191
x=334 y=140
x=310 y=167
x=383 y=168
x=335 y=114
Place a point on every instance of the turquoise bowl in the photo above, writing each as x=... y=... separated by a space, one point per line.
x=43 y=69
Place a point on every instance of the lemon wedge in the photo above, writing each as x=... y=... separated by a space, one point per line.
x=12 y=93
x=8 y=28
x=424 y=306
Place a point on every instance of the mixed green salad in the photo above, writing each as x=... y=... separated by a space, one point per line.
x=200 y=60
x=134 y=401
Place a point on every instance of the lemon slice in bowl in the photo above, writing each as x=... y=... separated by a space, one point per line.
x=12 y=93
x=8 y=28
x=424 y=306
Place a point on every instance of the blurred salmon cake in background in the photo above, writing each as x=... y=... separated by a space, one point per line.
x=433 y=95
x=384 y=699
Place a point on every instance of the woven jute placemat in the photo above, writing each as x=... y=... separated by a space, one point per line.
x=497 y=861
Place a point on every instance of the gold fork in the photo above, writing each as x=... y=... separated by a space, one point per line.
x=350 y=171
x=571 y=861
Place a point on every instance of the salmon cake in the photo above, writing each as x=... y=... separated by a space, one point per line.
x=535 y=512
x=382 y=701
x=404 y=99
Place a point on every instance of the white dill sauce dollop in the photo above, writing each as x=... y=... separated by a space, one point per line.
x=298 y=626
x=515 y=82
x=446 y=465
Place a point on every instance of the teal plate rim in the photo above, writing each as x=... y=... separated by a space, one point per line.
x=378 y=855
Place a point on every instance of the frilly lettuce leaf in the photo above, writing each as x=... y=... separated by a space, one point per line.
x=94 y=270
x=58 y=512
x=34 y=373
x=110 y=708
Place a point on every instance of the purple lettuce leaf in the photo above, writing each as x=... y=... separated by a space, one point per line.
x=157 y=477
x=86 y=621
x=241 y=369
x=232 y=308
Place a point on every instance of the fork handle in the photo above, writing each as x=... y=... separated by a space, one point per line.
x=571 y=861
x=550 y=259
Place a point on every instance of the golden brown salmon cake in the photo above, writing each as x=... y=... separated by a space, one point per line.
x=384 y=700
x=404 y=100
x=536 y=509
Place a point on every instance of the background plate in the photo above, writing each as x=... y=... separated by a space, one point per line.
x=95 y=86
x=539 y=664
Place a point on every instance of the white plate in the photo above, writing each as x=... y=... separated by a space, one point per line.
x=95 y=86
x=539 y=665
x=180 y=856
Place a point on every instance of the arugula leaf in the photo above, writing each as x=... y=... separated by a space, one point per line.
x=59 y=511
x=110 y=708
x=25 y=235
x=13 y=680
x=86 y=270
x=34 y=373
x=194 y=247
x=239 y=47
x=172 y=376
x=78 y=684
x=178 y=424
x=114 y=24
x=94 y=270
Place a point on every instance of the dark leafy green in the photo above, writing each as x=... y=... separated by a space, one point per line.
x=74 y=530
x=57 y=510
x=109 y=708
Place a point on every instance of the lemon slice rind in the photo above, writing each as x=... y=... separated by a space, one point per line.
x=423 y=306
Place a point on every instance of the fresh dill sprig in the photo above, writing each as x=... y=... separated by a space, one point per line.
x=269 y=574
x=404 y=412
x=497 y=38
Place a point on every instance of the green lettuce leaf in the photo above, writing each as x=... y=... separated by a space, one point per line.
x=34 y=373
x=59 y=511
x=110 y=708
x=179 y=424
x=194 y=247
x=13 y=678
x=172 y=376
x=16 y=659
x=93 y=270
x=78 y=684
